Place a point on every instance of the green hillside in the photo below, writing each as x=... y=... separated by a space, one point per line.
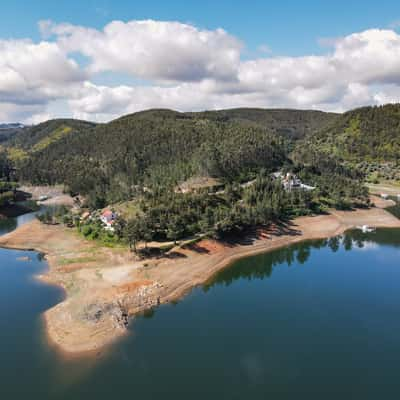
x=292 y=124
x=150 y=148
x=39 y=136
x=365 y=134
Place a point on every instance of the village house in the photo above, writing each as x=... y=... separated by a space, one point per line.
x=108 y=218
x=291 y=181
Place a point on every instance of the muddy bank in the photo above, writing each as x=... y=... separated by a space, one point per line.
x=106 y=286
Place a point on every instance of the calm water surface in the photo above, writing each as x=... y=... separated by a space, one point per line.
x=320 y=320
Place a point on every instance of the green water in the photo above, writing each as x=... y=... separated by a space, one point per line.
x=319 y=320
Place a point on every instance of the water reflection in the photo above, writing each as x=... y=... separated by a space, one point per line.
x=7 y=225
x=395 y=210
x=262 y=266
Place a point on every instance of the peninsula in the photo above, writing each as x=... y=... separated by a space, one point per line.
x=105 y=287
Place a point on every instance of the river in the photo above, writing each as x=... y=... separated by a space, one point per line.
x=317 y=320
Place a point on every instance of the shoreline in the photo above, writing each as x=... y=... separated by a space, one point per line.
x=104 y=287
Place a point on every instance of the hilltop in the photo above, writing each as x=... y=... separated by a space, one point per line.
x=24 y=141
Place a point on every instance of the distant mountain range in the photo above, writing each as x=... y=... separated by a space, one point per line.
x=7 y=131
x=14 y=125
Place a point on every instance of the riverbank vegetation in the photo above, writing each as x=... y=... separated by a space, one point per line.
x=8 y=188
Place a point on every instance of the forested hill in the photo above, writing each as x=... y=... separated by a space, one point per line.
x=292 y=124
x=365 y=134
x=164 y=147
x=39 y=136
x=156 y=147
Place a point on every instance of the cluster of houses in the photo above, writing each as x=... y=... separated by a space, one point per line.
x=107 y=217
x=291 y=181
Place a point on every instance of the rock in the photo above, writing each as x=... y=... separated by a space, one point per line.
x=116 y=311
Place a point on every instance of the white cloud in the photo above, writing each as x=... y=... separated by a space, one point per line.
x=32 y=75
x=186 y=68
x=163 y=51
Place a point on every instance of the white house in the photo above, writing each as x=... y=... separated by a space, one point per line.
x=108 y=218
x=291 y=181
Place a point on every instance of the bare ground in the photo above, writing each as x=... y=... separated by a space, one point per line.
x=105 y=286
x=385 y=187
x=55 y=194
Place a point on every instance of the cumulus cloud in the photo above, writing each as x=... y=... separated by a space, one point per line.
x=179 y=66
x=164 y=51
x=32 y=75
x=28 y=69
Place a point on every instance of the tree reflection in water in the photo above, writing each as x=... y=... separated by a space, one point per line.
x=261 y=266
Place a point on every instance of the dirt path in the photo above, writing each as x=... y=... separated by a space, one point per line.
x=104 y=286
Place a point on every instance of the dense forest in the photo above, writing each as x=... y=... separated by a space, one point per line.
x=149 y=149
x=366 y=134
x=30 y=138
x=291 y=124
x=7 y=187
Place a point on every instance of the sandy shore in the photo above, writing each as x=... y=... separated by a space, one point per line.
x=105 y=286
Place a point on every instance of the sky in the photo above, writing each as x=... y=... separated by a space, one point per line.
x=98 y=60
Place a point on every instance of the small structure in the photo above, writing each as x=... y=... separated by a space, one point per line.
x=108 y=218
x=307 y=187
x=277 y=175
x=291 y=181
x=366 y=228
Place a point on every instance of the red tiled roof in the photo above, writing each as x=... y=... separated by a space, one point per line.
x=107 y=213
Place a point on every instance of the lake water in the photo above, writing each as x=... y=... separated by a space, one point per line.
x=318 y=320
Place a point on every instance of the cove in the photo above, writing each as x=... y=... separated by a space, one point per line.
x=313 y=320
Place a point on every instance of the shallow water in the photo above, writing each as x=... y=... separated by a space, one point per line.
x=318 y=320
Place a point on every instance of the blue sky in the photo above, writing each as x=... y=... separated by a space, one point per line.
x=330 y=55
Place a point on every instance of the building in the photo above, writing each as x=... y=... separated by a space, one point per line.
x=291 y=181
x=108 y=218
